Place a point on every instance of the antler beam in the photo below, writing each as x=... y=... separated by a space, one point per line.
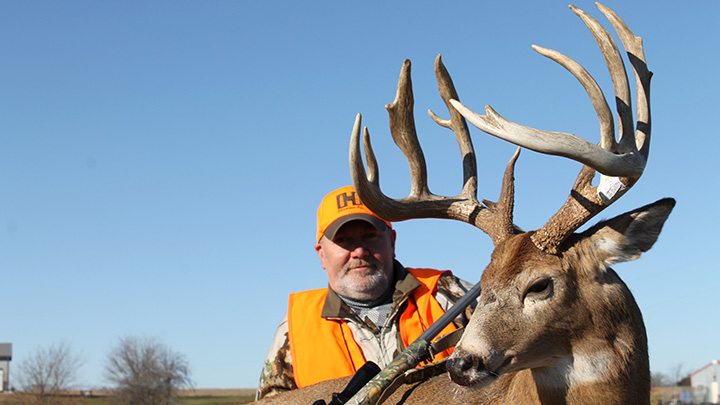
x=627 y=158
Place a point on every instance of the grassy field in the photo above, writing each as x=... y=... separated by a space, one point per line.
x=194 y=397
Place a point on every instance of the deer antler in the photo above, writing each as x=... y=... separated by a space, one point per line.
x=625 y=159
x=495 y=219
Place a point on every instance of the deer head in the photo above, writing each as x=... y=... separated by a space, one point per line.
x=550 y=302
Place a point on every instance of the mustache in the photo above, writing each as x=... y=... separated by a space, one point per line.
x=370 y=262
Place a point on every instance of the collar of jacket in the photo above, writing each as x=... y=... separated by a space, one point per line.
x=405 y=283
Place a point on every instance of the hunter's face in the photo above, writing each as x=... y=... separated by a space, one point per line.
x=358 y=260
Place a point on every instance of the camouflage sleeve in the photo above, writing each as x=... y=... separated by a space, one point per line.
x=277 y=373
x=449 y=290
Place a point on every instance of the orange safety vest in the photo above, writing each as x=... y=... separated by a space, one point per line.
x=324 y=349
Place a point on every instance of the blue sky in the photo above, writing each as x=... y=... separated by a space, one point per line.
x=161 y=162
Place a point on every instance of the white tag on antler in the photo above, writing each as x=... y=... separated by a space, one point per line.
x=609 y=187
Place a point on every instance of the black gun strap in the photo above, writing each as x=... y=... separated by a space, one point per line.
x=361 y=377
x=445 y=342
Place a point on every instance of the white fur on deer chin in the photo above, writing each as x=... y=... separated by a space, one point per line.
x=582 y=368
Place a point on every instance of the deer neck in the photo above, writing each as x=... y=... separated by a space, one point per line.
x=608 y=363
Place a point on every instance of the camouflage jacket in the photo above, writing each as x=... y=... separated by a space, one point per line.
x=378 y=344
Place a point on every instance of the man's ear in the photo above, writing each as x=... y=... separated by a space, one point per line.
x=393 y=235
x=321 y=255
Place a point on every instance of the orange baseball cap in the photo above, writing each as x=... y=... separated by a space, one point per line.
x=342 y=206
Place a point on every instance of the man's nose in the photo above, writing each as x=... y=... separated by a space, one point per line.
x=360 y=250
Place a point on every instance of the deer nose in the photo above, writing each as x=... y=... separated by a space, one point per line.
x=464 y=368
x=459 y=364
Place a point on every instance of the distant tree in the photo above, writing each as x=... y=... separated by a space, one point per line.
x=146 y=372
x=677 y=374
x=47 y=373
x=660 y=380
x=685 y=381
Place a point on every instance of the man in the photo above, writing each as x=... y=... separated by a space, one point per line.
x=373 y=309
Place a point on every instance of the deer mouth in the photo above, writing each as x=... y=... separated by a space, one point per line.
x=472 y=371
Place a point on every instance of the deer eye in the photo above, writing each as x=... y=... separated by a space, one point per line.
x=540 y=289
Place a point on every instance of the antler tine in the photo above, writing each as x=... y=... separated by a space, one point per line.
x=616 y=68
x=500 y=224
x=597 y=98
x=496 y=221
x=459 y=127
x=634 y=47
x=402 y=129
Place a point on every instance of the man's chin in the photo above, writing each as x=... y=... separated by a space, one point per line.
x=363 y=289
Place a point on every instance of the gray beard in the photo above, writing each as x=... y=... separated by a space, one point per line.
x=375 y=311
x=371 y=289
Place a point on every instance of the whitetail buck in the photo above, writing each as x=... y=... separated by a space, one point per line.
x=554 y=323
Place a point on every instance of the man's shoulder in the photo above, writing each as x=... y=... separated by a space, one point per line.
x=447 y=282
x=315 y=291
x=434 y=277
x=427 y=272
x=308 y=297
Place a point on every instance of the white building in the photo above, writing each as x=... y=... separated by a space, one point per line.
x=5 y=357
x=704 y=384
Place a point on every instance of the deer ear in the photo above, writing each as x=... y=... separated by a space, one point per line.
x=627 y=236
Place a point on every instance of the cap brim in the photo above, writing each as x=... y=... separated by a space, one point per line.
x=332 y=229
